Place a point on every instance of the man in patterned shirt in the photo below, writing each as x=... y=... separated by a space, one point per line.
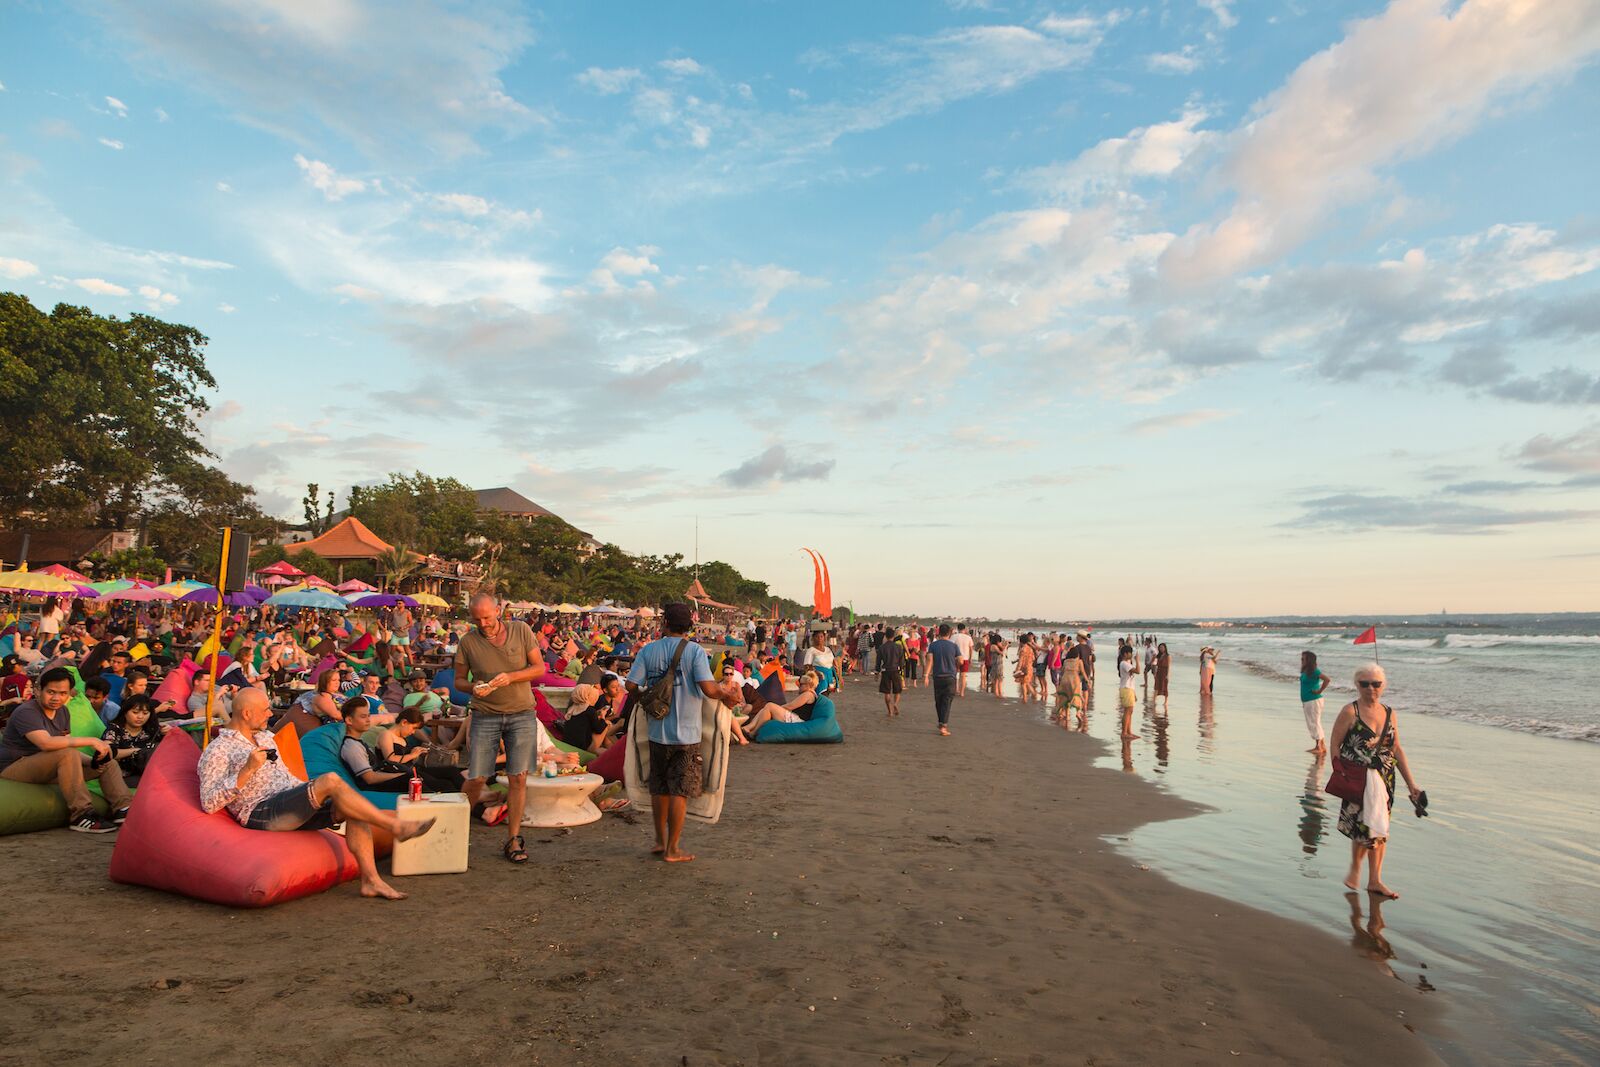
x=240 y=771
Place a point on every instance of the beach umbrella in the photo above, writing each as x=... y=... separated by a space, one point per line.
x=311 y=581
x=207 y=594
x=355 y=585
x=87 y=592
x=428 y=600
x=257 y=592
x=20 y=581
x=380 y=600
x=138 y=596
x=115 y=585
x=68 y=573
x=282 y=569
x=647 y=613
x=306 y=598
x=277 y=580
x=185 y=585
x=568 y=609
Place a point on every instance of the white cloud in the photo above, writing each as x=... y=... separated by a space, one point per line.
x=17 y=268
x=226 y=309
x=224 y=187
x=1178 y=420
x=392 y=77
x=681 y=67
x=1396 y=86
x=478 y=209
x=609 y=82
x=798 y=94
x=1222 y=9
x=109 y=143
x=1109 y=167
x=161 y=115
x=156 y=298
x=323 y=178
x=699 y=136
x=358 y=292
x=99 y=286
x=118 y=106
x=1185 y=61
x=472 y=207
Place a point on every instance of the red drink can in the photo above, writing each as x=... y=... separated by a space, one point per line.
x=416 y=787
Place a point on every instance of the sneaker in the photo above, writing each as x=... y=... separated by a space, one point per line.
x=119 y=816
x=90 y=823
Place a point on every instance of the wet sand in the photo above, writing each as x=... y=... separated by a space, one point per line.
x=899 y=899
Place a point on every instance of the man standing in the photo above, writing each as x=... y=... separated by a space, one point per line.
x=38 y=747
x=502 y=659
x=963 y=642
x=676 y=765
x=891 y=680
x=946 y=655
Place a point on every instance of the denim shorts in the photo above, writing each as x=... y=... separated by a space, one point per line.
x=292 y=809
x=518 y=729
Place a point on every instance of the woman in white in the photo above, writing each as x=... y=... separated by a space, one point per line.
x=786 y=712
x=820 y=655
x=1368 y=732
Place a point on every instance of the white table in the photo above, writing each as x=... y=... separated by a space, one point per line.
x=562 y=800
x=443 y=849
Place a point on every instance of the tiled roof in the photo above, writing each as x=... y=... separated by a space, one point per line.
x=350 y=539
x=503 y=498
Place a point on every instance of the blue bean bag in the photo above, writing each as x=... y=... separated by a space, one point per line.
x=445 y=678
x=170 y=843
x=821 y=729
x=320 y=749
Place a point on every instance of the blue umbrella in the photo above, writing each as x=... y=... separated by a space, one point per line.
x=307 y=598
x=380 y=600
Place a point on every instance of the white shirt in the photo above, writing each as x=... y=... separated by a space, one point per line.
x=963 y=641
x=1125 y=672
x=822 y=657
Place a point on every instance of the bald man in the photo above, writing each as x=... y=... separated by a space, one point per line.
x=240 y=770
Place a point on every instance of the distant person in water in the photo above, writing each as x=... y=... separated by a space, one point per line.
x=1163 y=673
x=1127 y=671
x=1313 y=683
x=1208 y=670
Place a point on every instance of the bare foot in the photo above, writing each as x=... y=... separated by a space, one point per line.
x=405 y=831
x=1383 y=891
x=678 y=857
x=658 y=850
x=383 y=889
x=944 y=731
x=1130 y=737
x=1351 y=885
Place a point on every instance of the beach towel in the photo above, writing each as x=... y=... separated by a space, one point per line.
x=1375 y=806
x=716 y=729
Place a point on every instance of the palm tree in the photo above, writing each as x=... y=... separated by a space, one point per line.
x=396 y=565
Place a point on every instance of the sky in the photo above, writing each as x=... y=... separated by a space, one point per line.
x=1010 y=309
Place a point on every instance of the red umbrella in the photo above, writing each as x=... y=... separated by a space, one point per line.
x=68 y=573
x=283 y=567
x=277 y=579
x=316 y=583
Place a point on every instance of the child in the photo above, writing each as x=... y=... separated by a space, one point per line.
x=133 y=736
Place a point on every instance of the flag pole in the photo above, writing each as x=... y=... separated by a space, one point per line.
x=216 y=629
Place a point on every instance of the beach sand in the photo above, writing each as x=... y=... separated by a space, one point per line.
x=898 y=899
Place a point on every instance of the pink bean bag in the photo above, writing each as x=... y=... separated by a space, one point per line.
x=556 y=681
x=169 y=843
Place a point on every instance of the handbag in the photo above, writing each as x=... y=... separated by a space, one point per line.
x=656 y=700
x=1349 y=780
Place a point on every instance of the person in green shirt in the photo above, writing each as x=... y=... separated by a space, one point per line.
x=1312 y=685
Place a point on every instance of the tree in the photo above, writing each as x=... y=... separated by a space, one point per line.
x=318 y=521
x=128 y=563
x=433 y=515
x=97 y=413
x=183 y=526
x=396 y=565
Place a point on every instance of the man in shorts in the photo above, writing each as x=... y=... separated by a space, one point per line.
x=502 y=660
x=240 y=770
x=963 y=642
x=891 y=674
x=676 y=764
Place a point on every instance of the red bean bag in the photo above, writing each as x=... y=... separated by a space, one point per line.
x=169 y=843
x=608 y=764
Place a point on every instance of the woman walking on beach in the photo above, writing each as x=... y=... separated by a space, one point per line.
x=1163 y=669
x=1208 y=670
x=1024 y=675
x=1367 y=733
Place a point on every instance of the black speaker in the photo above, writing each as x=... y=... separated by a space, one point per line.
x=236 y=552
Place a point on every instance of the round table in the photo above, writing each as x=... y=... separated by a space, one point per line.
x=562 y=800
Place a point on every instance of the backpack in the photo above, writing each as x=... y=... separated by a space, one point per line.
x=656 y=700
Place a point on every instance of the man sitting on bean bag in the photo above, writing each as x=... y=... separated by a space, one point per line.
x=38 y=747
x=240 y=770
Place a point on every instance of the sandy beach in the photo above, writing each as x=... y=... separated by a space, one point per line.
x=899 y=899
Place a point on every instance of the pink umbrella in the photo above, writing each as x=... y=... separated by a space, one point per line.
x=282 y=568
x=68 y=573
x=138 y=595
x=316 y=583
x=355 y=585
x=277 y=579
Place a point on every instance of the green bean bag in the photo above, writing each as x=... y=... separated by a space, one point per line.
x=821 y=729
x=25 y=808
x=584 y=755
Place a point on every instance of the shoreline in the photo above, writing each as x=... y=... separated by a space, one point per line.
x=931 y=903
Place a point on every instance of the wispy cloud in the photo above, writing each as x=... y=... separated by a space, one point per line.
x=774 y=466
x=1358 y=511
x=325 y=180
x=1178 y=420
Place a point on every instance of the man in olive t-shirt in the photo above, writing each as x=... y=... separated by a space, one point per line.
x=502 y=660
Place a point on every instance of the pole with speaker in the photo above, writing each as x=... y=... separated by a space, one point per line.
x=232 y=564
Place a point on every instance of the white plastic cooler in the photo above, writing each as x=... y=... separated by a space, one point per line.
x=442 y=850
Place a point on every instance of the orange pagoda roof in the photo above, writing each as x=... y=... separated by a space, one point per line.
x=350 y=539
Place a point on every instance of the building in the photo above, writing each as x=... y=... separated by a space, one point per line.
x=350 y=538
x=513 y=505
x=69 y=546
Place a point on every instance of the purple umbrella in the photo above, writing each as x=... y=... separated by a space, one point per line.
x=87 y=592
x=208 y=595
x=257 y=592
x=381 y=600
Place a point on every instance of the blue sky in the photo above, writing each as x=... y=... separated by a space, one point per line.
x=1009 y=308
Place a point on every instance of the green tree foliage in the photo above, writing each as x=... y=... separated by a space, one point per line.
x=128 y=563
x=97 y=414
x=434 y=516
x=318 y=519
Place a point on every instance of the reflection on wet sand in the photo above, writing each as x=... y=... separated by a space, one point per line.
x=1313 y=809
x=1207 y=723
x=1157 y=720
x=1367 y=931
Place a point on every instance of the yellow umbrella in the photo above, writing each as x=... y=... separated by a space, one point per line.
x=35 y=582
x=428 y=600
x=568 y=609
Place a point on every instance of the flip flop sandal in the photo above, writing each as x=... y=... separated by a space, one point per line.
x=515 y=850
x=499 y=817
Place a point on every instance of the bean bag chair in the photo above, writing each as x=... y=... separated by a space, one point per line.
x=320 y=750
x=445 y=678
x=821 y=729
x=25 y=808
x=608 y=764
x=170 y=843
x=287 y=736
x=551 y=680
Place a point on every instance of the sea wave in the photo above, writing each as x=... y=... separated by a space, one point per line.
x=1497 y=640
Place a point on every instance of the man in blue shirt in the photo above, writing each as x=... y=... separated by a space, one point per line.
x=675 y=761
x=946 y=666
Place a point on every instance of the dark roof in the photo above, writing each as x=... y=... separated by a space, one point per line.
x=67 y=545
x=503 y=498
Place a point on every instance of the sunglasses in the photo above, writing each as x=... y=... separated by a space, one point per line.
x=1370 y=685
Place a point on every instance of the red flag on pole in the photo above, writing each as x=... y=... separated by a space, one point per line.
x=1369 y=636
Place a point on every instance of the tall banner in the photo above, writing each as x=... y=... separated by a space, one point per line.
x=822 y=584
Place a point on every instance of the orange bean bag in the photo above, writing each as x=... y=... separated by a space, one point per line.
x=170 y=843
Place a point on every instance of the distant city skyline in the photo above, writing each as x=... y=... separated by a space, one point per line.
x=1195 y=310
